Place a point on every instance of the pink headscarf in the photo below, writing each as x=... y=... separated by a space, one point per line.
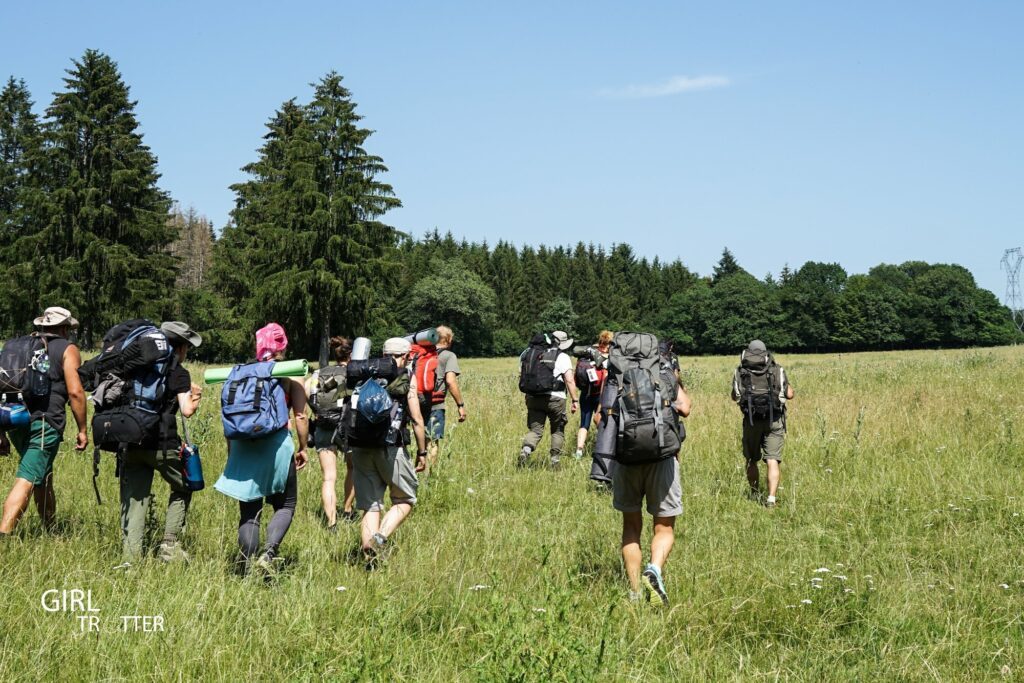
x=270 y=340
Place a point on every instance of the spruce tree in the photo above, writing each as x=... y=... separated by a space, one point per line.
x=104 y=246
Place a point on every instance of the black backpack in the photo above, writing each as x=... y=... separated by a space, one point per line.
x=585 y=368
x=361 y=432
x=759 y=387
x=128 y=381
x=25 y=370
x=537 y=367
x=640 y=400
x=329 y=399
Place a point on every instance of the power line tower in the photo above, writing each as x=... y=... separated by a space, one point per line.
x=1011 y=263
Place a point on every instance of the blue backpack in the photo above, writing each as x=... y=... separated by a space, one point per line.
x=253 y=404
x=373 y=402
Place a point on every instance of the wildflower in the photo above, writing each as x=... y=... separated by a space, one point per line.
x=341 y=589
x=840 y=577
x=479 y=587
x=822 y=570
x=847 y=590
x=1004 y=586
x=470 y=491
x=539 y=609
x=806 y=601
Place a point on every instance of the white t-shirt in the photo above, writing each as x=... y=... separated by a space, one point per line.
x=563 y=364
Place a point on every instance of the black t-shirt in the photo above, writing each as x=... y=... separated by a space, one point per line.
x=178 y=382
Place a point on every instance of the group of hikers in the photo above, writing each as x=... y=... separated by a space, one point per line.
x=627 y=388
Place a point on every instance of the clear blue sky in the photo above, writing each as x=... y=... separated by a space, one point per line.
x=859 y=132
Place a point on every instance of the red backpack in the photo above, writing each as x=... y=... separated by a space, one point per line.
x=424 y=357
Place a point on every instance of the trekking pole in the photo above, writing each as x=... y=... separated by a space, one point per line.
x=96 y=474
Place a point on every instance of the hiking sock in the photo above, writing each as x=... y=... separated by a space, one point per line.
x=771 y=499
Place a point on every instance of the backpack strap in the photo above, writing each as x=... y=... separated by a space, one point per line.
x=257 y=395
x=96 y=474
x=232 y=391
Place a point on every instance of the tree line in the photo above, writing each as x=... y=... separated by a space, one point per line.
x=85 y=225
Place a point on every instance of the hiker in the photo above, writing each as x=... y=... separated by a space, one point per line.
x=761 y=389
x=262 y=458
x=327 y=398
x=641 y=406
x=385 y=400
x=42 y=371
x=447 y=380
x=590 y=376
x=545 y=377
x=161 y=452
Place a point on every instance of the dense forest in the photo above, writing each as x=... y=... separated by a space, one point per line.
x=85 y=225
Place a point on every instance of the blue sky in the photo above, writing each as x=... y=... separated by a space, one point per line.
x=853 y=132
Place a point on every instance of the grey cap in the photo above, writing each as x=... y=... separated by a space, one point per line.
x=177 y=332
x=397 y=346
x=757 y=346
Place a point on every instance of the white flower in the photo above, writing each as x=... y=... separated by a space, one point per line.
x=479 y=587
x=805 y=601
x=790 y=606
x=1004 y=586
x=931 y=585
x=470 y=491
x=847 y=590
x=828 y=470
x=539 y=609
x=815 y=585
x=822 y=570
x=341 y=589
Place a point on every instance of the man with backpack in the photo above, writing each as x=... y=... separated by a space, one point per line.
x=446 y=375
x=545 y=376
x=38 y=378
x=384 y=401
x=761 y=389
x=160 y=451
x=641 y=405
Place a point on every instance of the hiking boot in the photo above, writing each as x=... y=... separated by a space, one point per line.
x=524 y=457
x=263 y=568
x=348 y=516
x=654 y=584
x=171 y=551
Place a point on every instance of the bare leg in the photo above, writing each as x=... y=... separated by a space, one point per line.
x=46 y=502
x=632 y=526
x=350 y=487
x=16 y=504
x=371 y=525
x=328 y=490
x=773 y=476
x=661 y=543
x=394 y=518
x=753 y=476
x=431 y=453
x=581 y=439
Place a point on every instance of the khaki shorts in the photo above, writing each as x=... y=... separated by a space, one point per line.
x=658 y=482
x=376 y=470
x=763 y=440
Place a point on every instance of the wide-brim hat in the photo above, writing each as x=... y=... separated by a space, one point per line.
x=55 y=316
x=177 y=331
x=397 y=346
x=564 y=341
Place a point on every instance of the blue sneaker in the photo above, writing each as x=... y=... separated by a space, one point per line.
x=655 y=584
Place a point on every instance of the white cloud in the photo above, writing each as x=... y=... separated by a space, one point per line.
x=672 y=86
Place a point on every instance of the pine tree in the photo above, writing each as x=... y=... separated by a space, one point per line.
x=726 y=266
x=104 y=246
x=20 y=150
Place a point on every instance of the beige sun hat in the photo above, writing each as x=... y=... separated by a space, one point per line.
x=55 y=316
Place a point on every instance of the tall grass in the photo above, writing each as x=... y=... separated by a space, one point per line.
x=901 y=477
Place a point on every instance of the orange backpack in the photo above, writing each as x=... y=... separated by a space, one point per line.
x=424 y=357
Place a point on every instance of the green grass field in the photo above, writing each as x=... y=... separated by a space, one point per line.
x=901 y=476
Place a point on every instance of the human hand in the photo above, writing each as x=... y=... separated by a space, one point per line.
x=421 y=462
x=462 y=413
x=81 y=440
x=197 y=391
x=575 y=405
x=300 y=459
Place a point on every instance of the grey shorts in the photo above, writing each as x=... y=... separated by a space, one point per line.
x=376 y=470
x=763 y=440
x=322 y=438
x=658 y=482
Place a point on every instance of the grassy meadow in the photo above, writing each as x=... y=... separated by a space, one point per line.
x=894 y=554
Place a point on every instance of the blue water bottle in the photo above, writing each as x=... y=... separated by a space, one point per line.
x=14 y=415
x=193 y=464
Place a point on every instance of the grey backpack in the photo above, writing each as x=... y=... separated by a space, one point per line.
x=647 y=425
x=329 y=399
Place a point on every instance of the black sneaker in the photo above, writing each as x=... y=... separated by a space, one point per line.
x=350 y=516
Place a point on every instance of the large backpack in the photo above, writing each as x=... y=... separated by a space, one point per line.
x=253 y=403
x=640 y=400
x=128 y=382
x=24 y=370
x=329 y=399
x=375 y=416
x=588 y=378
x=759 y=387
x=537 y=366
x=425 y=363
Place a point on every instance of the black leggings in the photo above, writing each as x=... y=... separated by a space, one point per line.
x=284 y=509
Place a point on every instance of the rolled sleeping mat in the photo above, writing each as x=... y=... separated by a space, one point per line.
x=361 y=348
x=282 y=368
x=427 y=337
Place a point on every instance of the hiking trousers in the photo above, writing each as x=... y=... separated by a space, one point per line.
x=541 y=409
x=136 y=495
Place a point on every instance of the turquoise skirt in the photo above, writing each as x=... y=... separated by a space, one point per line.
x=257 y=468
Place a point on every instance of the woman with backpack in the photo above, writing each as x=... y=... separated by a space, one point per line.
x=261 y=469
x=590 y=376
x=327 y=398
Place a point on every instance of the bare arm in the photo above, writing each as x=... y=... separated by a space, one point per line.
x=412 y=400
x=682 y=404
x=188 y=403
x=76 y=394
x=570 y=386
x=452 y=380
x=789 y=392
x=297 y=392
